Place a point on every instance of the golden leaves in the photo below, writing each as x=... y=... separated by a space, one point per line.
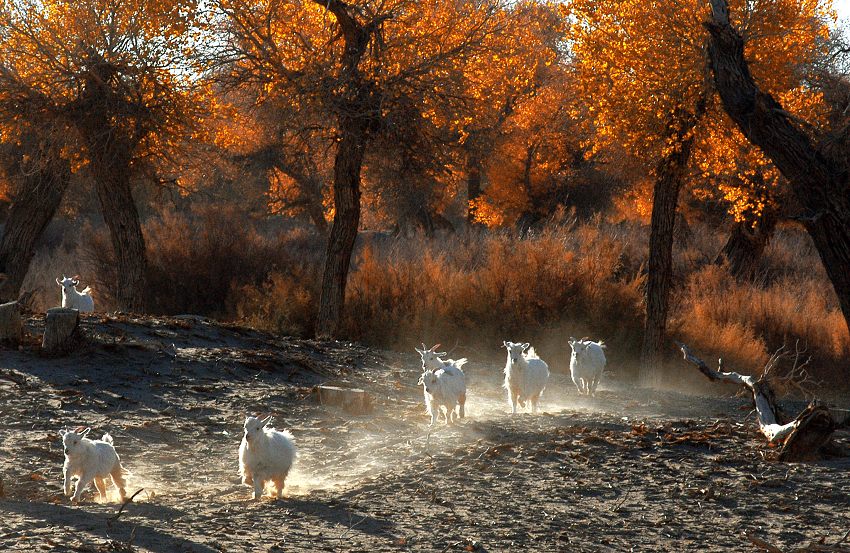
x=640 y=63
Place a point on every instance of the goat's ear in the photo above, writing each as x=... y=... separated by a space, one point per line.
x=58 y=282
x=420 y=351
x=267 y=420
x=440 y=353
x=525 y=346
x=86 y=431
x=421 y=380
x=62 y=432
x=506 y=344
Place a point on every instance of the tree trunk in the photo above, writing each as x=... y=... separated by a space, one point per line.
x=316 y=212
x=347 y=165
x=819 y=181
x=745 y=246
x=530 y=216
x=33 y=208
x=111 y=150
x=473 y=188
x=668 y=180
x=122 y=217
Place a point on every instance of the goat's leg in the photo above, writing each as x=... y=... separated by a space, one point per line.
x=118 y=477
x=462 y=404
x=278 y=484
x=512 y=398
x=67 y=483
x=100 y=486
x=258 y=486
x=577 y=382
x=82 y=484
x=593 y=386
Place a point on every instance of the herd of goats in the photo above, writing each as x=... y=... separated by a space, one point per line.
x=266 y=455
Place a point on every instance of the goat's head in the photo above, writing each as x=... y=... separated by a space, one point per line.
x=254 y=426
x=429 y=380
x=430 y=357
x=68 y=283
x=578 y=346
x=71 y=440
x=515 y=350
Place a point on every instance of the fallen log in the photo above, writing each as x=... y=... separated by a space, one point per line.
x=801 y=439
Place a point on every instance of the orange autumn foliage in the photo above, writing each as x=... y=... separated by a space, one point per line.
x=642 y=63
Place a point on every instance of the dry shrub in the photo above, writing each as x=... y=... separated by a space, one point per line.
x=743 y=322
x=479 y=289
x=284 y=303
x=200 y=262
x=195 y=260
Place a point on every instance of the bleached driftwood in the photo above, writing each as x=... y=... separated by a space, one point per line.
x=60 y=330
x=801 y=438
x=351 y=400
x=11 y=327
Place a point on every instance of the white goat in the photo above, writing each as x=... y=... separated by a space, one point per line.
x=91 y=460
x=265 y=455
x=444 y=388
x=526 y=376
x=431 y=360
x=81 y=301
x=586 y=364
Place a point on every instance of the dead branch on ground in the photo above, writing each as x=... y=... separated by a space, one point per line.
x=802 y=438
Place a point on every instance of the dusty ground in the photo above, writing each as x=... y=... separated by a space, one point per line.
x=628 y=470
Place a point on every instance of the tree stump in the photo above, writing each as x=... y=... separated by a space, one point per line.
x=351 y=400
x=60 y=330
x=11 y=327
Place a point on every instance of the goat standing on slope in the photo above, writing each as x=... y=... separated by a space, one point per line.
x=72 y=299
x=526 y=376
x=265 y=455
x=91 y=460
x=586 y=364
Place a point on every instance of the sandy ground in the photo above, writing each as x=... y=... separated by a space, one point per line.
x=629 y=470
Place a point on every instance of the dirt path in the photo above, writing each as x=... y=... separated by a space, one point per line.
x=628 y=470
